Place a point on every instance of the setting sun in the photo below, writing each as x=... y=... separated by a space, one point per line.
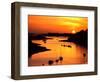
x=73 y=32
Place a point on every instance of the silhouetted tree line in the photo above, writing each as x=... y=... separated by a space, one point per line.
x=80 y=38
x=58 y=34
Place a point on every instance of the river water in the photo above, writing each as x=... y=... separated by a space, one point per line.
x=70 y=52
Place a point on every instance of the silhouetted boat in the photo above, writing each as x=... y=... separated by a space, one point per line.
x=66 y=46
x=69 y=46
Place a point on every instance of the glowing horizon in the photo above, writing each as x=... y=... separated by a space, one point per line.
x=56 y=24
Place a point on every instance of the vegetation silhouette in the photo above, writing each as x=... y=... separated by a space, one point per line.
x=80 y=38
x=43 y=64
x=61 y=58
x=57 y=60
x=34 y=48
x=84 y=54
x=50 y=62
x=57 y=34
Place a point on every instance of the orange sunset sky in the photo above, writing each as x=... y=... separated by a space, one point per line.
x=56 y=24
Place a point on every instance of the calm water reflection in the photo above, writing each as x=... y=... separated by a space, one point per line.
x=61 y=53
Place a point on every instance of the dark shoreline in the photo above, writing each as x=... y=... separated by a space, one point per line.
x=80 y=38
x=34 y=48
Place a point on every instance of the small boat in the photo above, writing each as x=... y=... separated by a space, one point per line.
x=67 y=46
